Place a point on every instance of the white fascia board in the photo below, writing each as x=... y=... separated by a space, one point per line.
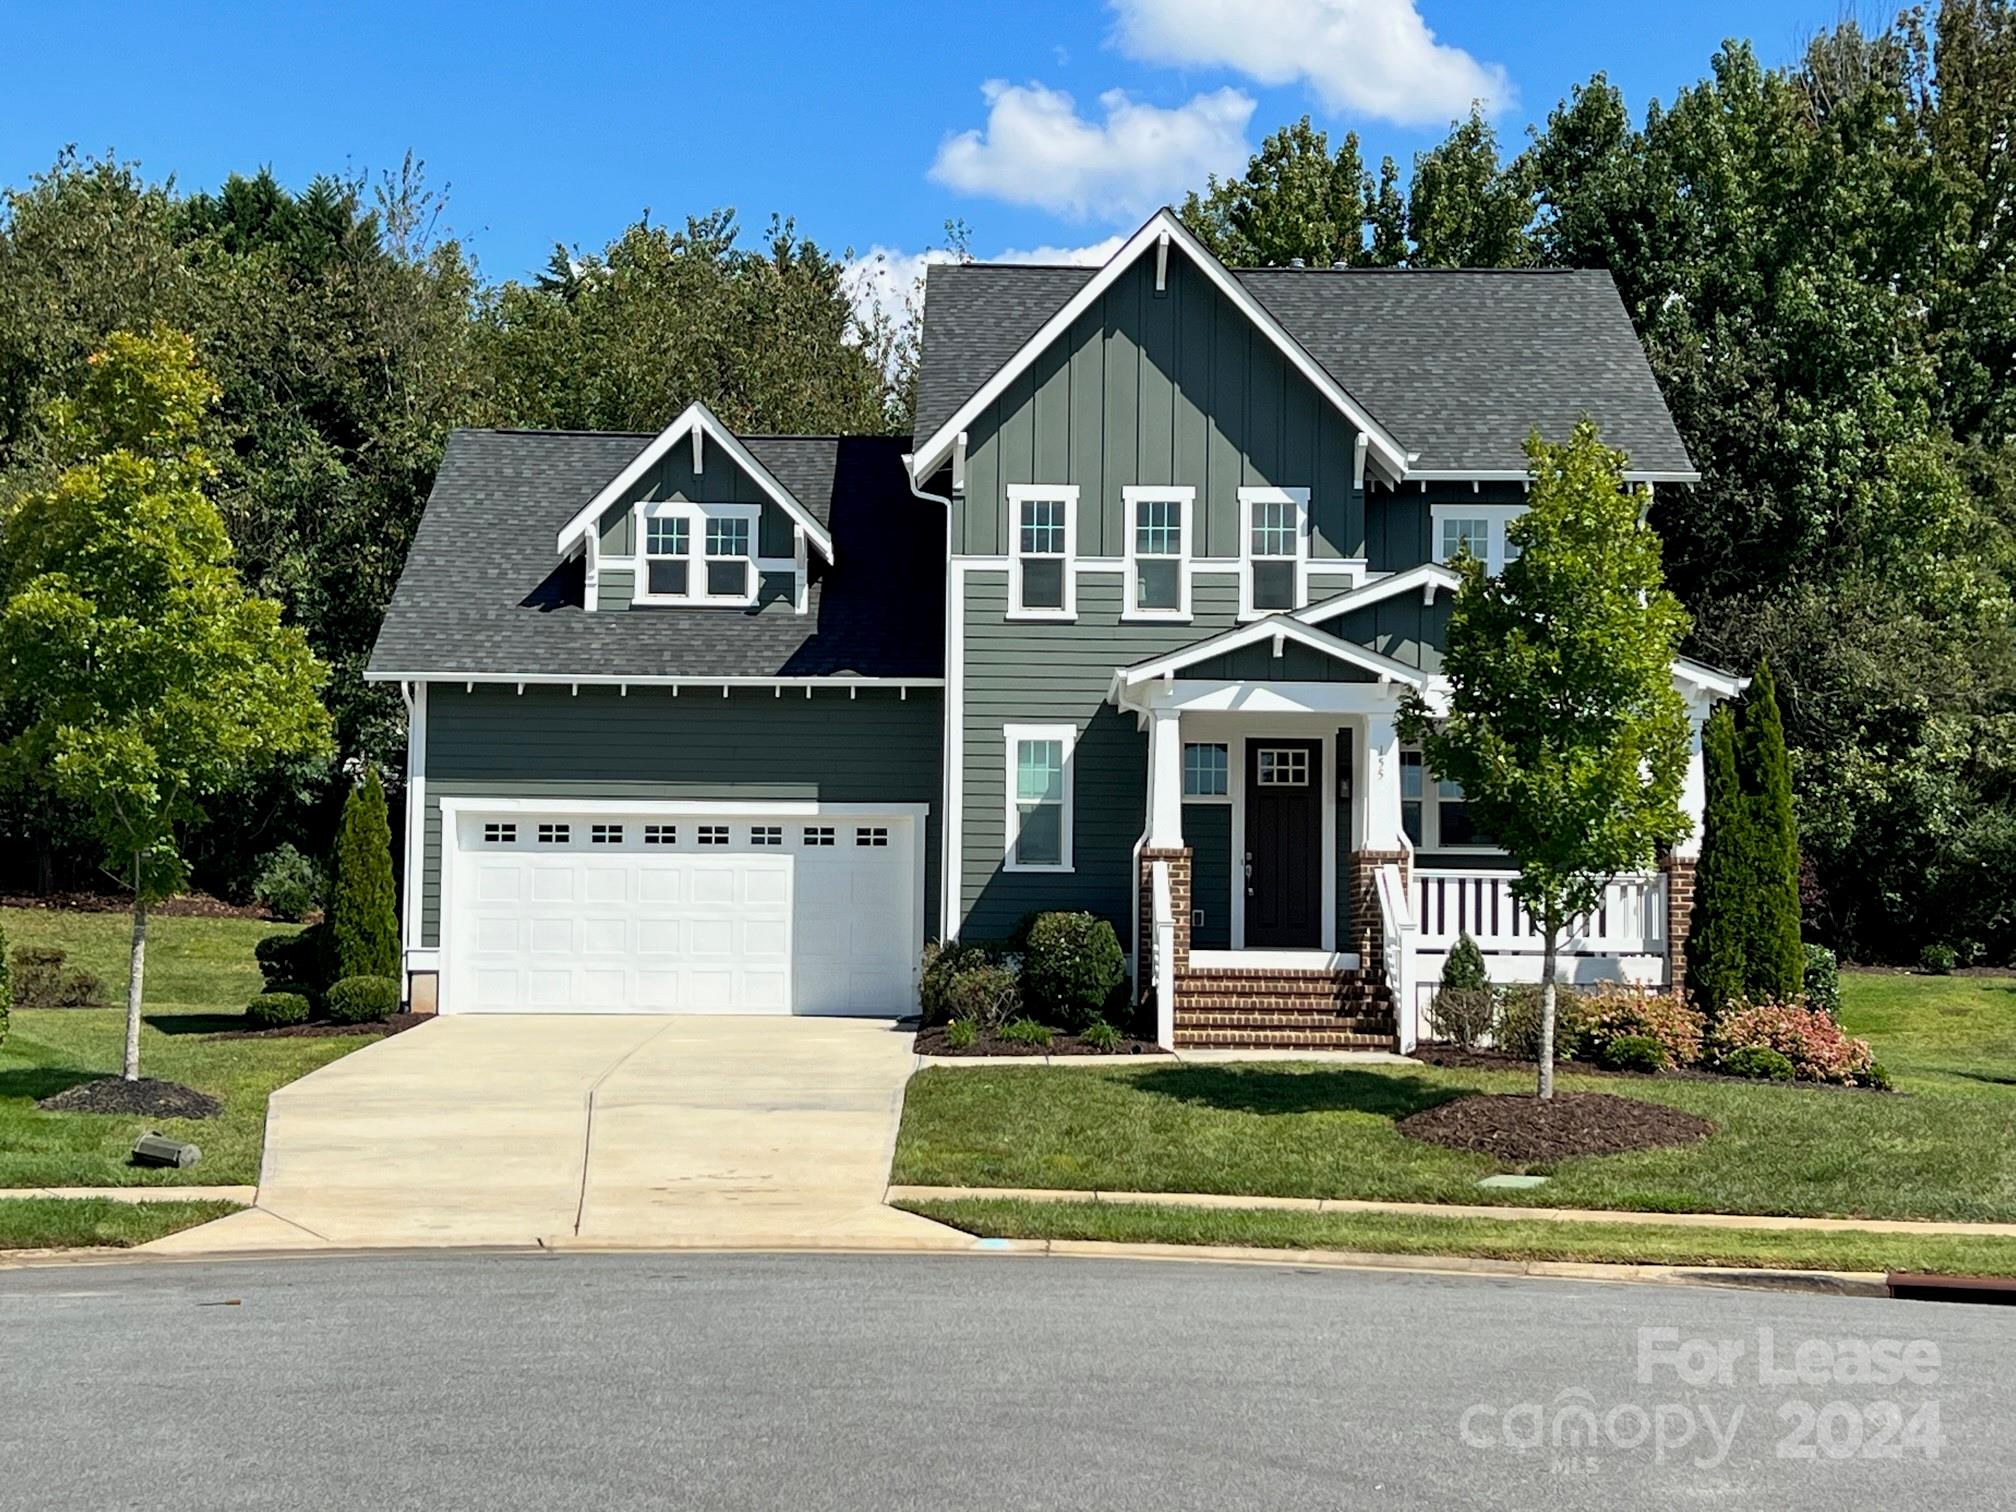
x=696 y=416
x=1162 y=224
x=787 y=808
x=1697 y=674
x=1429 y=577
x=652 y=680
x=1520 y=475
x=1285 y=627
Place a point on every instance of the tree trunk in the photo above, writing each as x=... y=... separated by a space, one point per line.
x=1546 y=1056
x=136 y=973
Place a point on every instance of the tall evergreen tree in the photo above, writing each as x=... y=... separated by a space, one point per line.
x=1774 y=958
x=1716 y=930
x=363 y=903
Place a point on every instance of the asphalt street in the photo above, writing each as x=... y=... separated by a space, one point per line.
x=825 y=1381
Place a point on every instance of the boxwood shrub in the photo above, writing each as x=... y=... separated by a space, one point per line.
x=1072 y=967
x=277 y=1010
x=362 y=1000
x=1759 y=1062
x=297 y=955
x=1633 y=1052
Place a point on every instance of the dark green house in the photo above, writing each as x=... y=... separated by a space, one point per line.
x=717 y=723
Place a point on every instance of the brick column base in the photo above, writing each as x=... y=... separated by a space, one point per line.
x=1368 y=937
x=1679 y=917
x=1144 y=929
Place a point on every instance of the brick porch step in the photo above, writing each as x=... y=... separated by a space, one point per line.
x=1270 y=1018
x=1279 y=1039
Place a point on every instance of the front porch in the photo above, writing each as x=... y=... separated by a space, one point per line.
x=1297 y=888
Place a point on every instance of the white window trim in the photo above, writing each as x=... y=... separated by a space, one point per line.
x=1013 y=735
x=1495 y=516
x=1024 y=493
x=1134 y=495
x=1248 y=497
x=696 y=516
x=1183 y=757
x=1431 y=813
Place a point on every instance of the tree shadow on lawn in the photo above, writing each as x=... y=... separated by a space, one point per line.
x=1329 y=1090
x=38 y=1082
x=196 y=1023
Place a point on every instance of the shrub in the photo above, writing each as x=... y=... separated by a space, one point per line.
x=942 y=966
x=295 y=956
x=289 y=885
x=1939 y=959
x=1101 y=1036
x=1633 y=1052
x=1614 y=1012
x=1071 y=968
x=1517 y=1031
x=1024 y=1031
x=985 y=994
x=1464 y=1008
x=39 y=980
x=1876 y=1076
x=277 y=1010
x=1758 y=1062
x=1823 y=980
x=1805 y=1036
x=961 y=1034
x=362 y=1000
x=363 y=904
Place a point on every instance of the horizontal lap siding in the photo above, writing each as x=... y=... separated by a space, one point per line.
x=547 y=742
x=1177 y=388
x=1207 y=830
x=1032 y=673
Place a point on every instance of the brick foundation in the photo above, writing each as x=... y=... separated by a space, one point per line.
x=1679 y=917
x=1367 y=931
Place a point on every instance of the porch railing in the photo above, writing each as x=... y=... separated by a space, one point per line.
x=1631 y=919
x=1163 y=953
x=1399 y=940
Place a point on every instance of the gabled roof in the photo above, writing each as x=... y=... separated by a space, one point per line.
x=482 y=596
x=1158 y=236
x=1281 y=626
x=696 y=416
x=1459 y=365
x=1428 y=579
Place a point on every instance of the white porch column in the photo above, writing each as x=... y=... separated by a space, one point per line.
x=1165 y=780
x=1694 y=786
x=1375 y=790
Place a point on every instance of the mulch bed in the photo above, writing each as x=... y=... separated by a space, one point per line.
x=391 y=1026
x=146 y=1096
x=1520 y=1130
x=931 y=1041
x=189 y=906
x=1452 y=1058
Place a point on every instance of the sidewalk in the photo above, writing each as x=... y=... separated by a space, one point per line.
x=1458 y=1210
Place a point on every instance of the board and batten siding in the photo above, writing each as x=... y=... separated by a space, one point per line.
x=1170 y=388
x=720 y=481
x=548 y=742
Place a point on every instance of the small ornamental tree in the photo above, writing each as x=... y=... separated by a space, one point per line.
x=1718 y=929
x=139 y=675
x=1774 y=965
x=363 y=903
x=1563 y=725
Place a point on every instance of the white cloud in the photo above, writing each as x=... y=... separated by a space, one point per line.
x=1037 y=150
x=1372 y=57
x=883 y=280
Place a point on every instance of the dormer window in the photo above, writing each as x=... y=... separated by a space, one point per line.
x=1274 y=550
x=698 y=554
x=1042 y=557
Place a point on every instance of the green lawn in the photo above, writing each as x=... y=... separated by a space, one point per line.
x=1487 y=1238
x=1947 y=1150
x=200 y=972
x=76 y=1222
x=1937 y=1034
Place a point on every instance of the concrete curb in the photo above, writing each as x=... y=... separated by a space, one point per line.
x=1165 y=1058
x=1503 y=1212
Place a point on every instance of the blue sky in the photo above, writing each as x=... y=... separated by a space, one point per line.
x=871 y=124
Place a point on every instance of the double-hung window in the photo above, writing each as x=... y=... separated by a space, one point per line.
x=697 y=553
x=1479 y=529
x=1158 y=551
x=1039 y=798
x=1274 y=550
x=1042 y=556
x=1433 y=811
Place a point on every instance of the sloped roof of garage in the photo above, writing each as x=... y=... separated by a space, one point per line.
x=481 y=595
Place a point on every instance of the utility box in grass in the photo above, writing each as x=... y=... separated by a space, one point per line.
x=158 y=1150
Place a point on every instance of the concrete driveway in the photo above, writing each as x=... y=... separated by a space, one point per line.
x=589 y=1131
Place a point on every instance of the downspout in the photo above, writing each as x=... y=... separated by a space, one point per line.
x=948 y=883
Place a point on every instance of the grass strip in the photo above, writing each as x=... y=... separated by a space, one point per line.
x=81 y=1222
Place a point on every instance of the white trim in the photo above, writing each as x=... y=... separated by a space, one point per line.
x=591 y=570
x=1288 y=628
x=416 y=817
x=1431 y=808
x=1043 y=493
x=695 y=416
x=1274 y=960
x=697 y=517
x=1248 y=497
x=1429 y=577
x=1708 y=679
x=1495 y=518
x=654 y=680
x=1133 y=496
x=1224 y=743
x=1161 y=228
x=1235 y=696
x=951 y=748
x=1520 y=475
x=1011 y=735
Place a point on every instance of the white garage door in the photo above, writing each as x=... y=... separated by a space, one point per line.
x=669 y=913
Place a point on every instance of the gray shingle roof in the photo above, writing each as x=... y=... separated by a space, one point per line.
x=481 y=592
x=1458 y=365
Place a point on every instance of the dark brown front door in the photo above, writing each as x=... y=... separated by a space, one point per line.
x=1284 y=843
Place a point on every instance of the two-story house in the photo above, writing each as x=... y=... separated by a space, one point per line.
x=716 y=723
